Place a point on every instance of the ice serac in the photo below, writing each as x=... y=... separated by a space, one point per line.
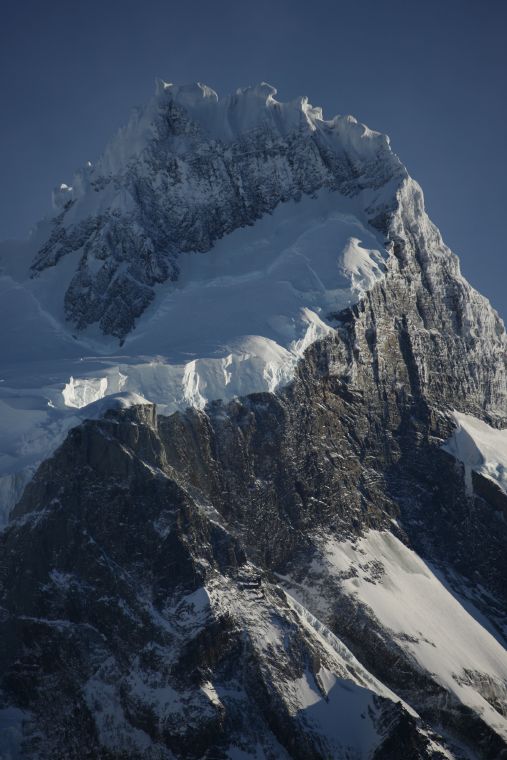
x=299 y=552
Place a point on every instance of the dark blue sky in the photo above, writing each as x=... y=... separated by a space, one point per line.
x=432 y=74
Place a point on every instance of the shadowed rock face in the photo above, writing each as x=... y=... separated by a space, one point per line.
x=130 y=571
x=111 y=642
x=128 y=622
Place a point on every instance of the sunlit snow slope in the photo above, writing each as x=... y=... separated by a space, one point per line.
x=410 y=600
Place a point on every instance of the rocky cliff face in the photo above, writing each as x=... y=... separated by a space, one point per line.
x=299 y=574
x=171 y=642
x=166 y=568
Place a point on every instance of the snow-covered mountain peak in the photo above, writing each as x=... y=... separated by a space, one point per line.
x=188 y=169
x=191 y=114
x=225 y=118
x=215 y=240
x=277 y=273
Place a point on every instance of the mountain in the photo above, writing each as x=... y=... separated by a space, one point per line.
x=253 y=457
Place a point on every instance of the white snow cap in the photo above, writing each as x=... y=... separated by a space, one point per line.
x=249 y=108
x=226 y=118
x=61 y=196
x=114 y=402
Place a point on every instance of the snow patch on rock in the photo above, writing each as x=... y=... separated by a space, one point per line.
x=114 y=402
x=479 y=447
